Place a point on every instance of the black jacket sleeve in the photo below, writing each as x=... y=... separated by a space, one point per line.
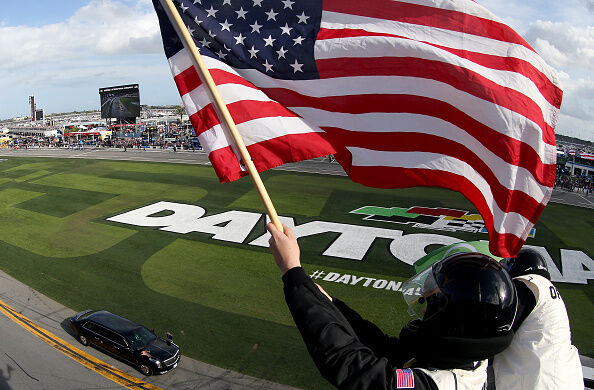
x=339 y=354
x=369 y=334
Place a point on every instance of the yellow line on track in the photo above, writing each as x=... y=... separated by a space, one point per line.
x=112 y=373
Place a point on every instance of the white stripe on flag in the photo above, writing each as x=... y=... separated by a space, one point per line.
x=254 y=131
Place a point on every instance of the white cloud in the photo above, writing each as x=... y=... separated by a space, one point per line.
x=578 y=98
x=570 y=49
x=549 y=52
x=105 y=42
x=563 y=45
x=101 y=28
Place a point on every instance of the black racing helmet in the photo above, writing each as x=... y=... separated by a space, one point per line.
x=528 y=261
x=466 y=295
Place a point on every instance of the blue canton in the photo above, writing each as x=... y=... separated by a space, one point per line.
x=273 y=36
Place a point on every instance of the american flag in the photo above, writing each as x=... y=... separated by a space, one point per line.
x=415 y=93
x=405 y=379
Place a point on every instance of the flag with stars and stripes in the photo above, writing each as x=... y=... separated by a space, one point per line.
x=403 y=93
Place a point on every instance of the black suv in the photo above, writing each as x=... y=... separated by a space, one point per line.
x=126 y=340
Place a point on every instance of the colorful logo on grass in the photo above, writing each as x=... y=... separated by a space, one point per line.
x=428 y=218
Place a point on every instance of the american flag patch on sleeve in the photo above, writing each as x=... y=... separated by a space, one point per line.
x=405 y=379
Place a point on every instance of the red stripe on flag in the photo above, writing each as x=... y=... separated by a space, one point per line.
x=204 y=119
x=226 y=165
x=269 y=154
x=550 y=91
x=428 y=16
x=460 y=78
x=241 y=111
x=188 y=80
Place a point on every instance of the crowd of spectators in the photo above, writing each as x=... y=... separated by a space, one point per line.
x=121 y=143
x=156 y=144
x=29 y=142
x=574 y=183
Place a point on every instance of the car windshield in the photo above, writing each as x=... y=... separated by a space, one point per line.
x=85 y=315
x=140 y=337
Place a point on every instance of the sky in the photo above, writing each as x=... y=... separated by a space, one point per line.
x=63 y=51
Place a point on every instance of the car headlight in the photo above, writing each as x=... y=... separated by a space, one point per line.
x=157 y=362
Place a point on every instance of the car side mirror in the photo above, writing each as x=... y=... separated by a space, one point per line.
x=169 y=338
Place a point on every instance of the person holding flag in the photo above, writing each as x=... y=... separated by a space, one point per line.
x=466 y=304
x=403 y=94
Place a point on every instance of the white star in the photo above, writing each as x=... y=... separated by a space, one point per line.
x=281 y=53
x=271 y=14
x=197 y=1
x=256 y=27
x=225 y=26
x=298 y=40
x=296 y=67
x=214 y=35
x=191 y=30
x=253 y=52
x=288 y=4
x=269 y=41
x=204 y=42
x=267 y=66
x=286 y=29
x=258 y=3
x=226 y=2
x=212 y=12
x=303 y=18
x=197 y=21
x=239 y=39
x=222 y=55
x=241 y=13
x=184 y=9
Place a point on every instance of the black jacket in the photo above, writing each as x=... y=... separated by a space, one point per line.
x=350 y=352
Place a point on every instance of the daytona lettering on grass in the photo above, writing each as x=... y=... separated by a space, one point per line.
x=363 y=281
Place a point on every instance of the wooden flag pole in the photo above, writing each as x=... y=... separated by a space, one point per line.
x=202 y=69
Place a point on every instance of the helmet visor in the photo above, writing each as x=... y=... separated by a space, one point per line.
x=422 y=292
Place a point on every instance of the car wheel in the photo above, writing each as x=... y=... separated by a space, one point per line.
x=145 y=369
x=83 y=340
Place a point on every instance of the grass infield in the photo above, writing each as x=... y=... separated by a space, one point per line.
x=223 y=301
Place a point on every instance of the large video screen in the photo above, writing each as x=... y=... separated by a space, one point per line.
x=120 y=102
